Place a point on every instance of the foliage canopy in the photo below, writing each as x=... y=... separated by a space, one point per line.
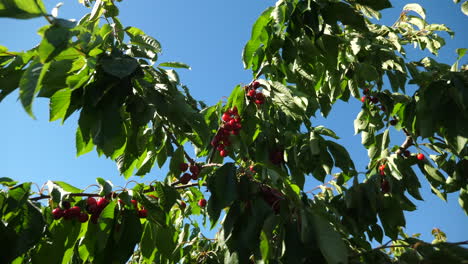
x=304 y=57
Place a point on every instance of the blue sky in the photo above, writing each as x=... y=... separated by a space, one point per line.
x=209 y=36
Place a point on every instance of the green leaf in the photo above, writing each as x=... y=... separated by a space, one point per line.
x=416 y=8
x=174 y=65
x=82 y=146
x=126 y=235
x=28 y=86
x=119 y=66
x=376 y=4
x=237 y=98
x=59 y=103
x=176 y=160
x=329 y=240
x=55 y=40
x=254 y=42
x=463 y=199
x=22 y=9
x=138 y=37
x=105 y=186
x=464 y=8
x=222 y=185
x=164 y=240
x=5 y=181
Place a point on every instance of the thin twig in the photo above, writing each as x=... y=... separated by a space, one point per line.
x=188 y=185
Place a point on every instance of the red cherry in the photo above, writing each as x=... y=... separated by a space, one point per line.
x=194 y=169
x=406 y=153
x=83 y=217
x=94 y=218
x=382 y=167
x=93 y=208
x=135 y=203
x=102 y=202
x=260 y=101
x=255 y=84
x=182 y=205
x=202 y=203
x=142 y=213
x=393 y=122
x=75 y=211
x=214 y=142
x=363 y=99
x=91 y=201
x=220 y=147
x=234 y=110
x=185 y=178
x=385 y=186
x=251 y=93
x=183 y=166
x=226 y=117
x=57 y=213
x=374 y=100
x=65 y=204
x=223 y=153
x=366 y=91
x=420 y=156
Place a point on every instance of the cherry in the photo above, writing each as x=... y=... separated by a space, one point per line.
x=420 y=156
x=194 y=177
x=255 y=84
x=202 y=203
x=185 y=178
x=83 y=217
x=220 y=147
x=75 y=211
x=183 y=166
x=91 y=201
x=393 y=122
x=93 y=208
x=94 y=218
x=406 y=153
x=102 y=202
x=65 y=204
x=226 y=117
x=374 y=100
x=182 y=205
x=252 y=168
x=382 y=169
x=223 y=153
x=251 y=93
x=135 y=203
x=385 y=186
x=57 y=213
x=142 y=213
x=366 y=91
x=194 y=169
x=260 y=101
x=363 y=99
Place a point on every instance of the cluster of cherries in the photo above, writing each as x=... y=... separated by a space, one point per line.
x=231 y=126
x=256 y=96
x=186 y=177
x=384 y=184
x=93 y=207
